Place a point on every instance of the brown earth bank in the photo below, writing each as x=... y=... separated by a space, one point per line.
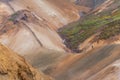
x=14 y=67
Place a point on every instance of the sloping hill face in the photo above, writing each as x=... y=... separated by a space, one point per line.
x=97 y=37
x=40 y=31
x=93 y=24
x=14 y=67
x=88 y=3
x=54 y=13
x=26 y=33
x=31 y=28
x=107 y=6
x=93 y=65
x=109 y=73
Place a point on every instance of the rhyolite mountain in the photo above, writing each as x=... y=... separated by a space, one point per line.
x=63 y=39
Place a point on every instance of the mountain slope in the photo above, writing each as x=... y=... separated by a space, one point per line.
x=25 y=33
x=30 y=28
x=90 y=64
x=48 y=10
x=47 y=16
x=111 y=72
x=91 y=25
x=97 y=38
x=88 y=3
x=14 y=67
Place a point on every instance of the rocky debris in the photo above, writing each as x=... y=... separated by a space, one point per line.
x=14 y=67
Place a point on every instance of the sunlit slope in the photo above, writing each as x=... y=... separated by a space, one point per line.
x=84 y=66
x=14 y=67
x=48 y=16
x=25 y=33
x=57 y=14
x=104 y=25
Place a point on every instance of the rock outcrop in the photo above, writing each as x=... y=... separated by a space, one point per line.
x=14 y=67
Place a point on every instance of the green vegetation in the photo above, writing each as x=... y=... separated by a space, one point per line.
x=79 y=31
x=13 y=16
x=110 y=30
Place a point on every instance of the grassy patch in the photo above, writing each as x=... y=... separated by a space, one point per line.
x=79 y=31
x=13 y=16
x=110 y=30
